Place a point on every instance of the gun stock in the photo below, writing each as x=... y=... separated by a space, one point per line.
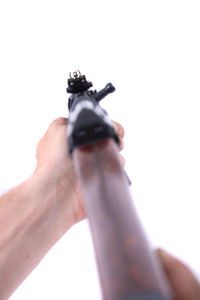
x=127 y=266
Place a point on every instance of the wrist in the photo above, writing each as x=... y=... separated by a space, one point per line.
x=57 y=188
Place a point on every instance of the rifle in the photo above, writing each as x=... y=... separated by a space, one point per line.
x=128 y=267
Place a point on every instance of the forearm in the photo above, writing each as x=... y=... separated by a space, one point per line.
x=33 y=216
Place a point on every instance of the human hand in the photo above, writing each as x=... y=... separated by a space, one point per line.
x=182 y=281
x=54 y=161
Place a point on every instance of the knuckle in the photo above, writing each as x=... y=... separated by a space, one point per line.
x=119 y=129
x=59 y=121
x=121 y=144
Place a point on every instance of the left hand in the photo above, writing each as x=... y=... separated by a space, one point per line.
x=54 y=160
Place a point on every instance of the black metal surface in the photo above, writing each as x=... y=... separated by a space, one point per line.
x=87 y=122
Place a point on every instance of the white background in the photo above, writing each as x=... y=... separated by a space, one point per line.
x=150 y=50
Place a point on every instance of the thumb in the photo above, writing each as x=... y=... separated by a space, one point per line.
x=183 y=283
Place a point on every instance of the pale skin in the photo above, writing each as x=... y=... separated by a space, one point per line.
x=36 y=214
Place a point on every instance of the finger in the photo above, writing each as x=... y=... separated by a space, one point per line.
x=181 y=279
x=121 y=144
x=119 y=129
x=122 y=159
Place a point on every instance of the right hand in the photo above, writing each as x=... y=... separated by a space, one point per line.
x=182 y=281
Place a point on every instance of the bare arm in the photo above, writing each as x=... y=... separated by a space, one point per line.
x=30 y=223
x=35 y=215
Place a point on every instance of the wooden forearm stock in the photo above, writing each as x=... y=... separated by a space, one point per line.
x=128 y=267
